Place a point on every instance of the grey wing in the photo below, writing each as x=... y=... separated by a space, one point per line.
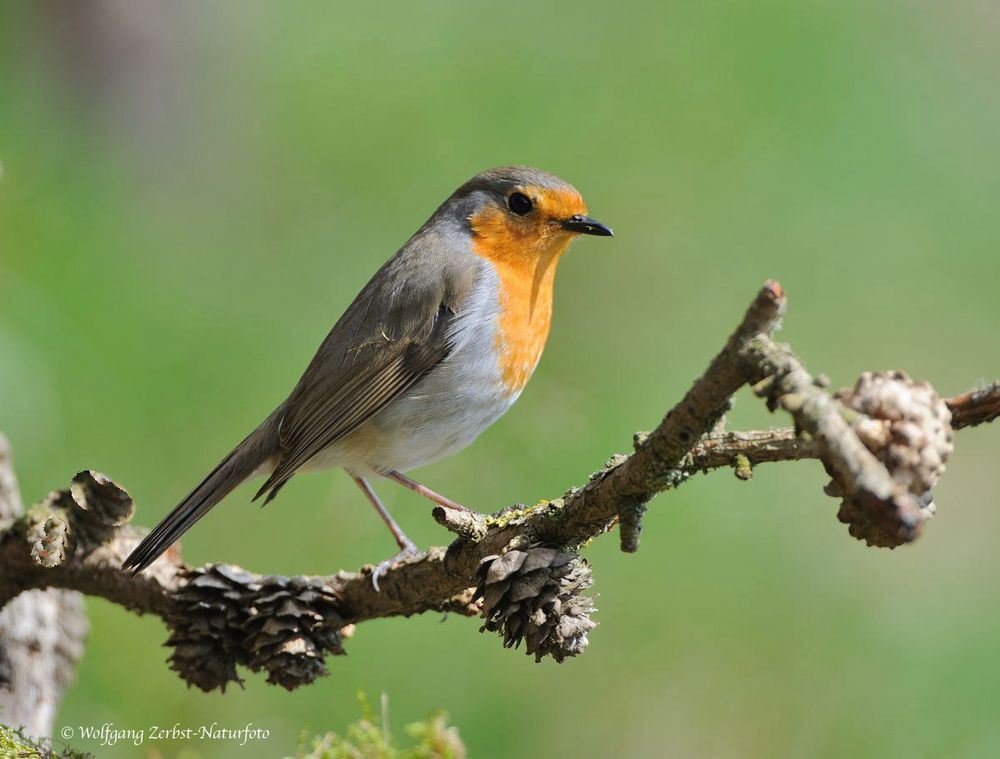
x=362 y=366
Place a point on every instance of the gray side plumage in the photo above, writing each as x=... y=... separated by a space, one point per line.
x=394 y=332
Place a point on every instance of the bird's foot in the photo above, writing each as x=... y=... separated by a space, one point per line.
x=408 y=552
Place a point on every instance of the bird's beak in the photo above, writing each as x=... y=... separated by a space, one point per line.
x=586 y=226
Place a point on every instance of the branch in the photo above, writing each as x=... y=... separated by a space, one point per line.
x=884 y=443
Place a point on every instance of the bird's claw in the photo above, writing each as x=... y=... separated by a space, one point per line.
x=379 y=570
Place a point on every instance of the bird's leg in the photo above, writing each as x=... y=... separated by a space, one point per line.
x=407 y=547
x=425 y=491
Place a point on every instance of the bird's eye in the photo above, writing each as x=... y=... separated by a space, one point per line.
x=519 y=203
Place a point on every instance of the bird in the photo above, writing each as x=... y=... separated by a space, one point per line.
x=432 y=351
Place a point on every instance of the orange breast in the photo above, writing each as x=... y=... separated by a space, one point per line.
x=525 y=317
x=526 y=266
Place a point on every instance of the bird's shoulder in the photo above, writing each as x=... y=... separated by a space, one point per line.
x=397 y=316
x=402 y=300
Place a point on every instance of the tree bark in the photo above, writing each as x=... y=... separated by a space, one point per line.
x=41 y=636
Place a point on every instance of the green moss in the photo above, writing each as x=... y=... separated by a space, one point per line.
x=14 y=744
x=368 y=738
x=508 y=515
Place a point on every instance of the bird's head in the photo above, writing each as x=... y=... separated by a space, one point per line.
x=523 y=215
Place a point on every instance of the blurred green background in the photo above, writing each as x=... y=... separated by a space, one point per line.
x=193 y=193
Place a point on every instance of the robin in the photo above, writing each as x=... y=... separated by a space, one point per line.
x=435 y=348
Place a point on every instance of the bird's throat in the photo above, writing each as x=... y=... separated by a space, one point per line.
x=525 y=296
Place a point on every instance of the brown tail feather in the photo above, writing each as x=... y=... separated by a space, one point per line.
x=243 y=461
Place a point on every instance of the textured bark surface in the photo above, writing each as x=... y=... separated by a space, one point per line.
x=41 y=636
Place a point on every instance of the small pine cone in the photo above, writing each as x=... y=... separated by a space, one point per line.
x=534 y=595
x=207 y=627
x=228 y=616
x=908 y=428
x=100 y=505
x=50 y=541
x=290 y=628
x=49 y=534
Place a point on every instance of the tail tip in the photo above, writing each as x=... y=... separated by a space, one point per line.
x=138 y=560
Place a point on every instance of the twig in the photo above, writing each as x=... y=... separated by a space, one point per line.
x=975 y=407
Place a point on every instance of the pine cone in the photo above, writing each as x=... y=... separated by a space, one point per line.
x=49 y=540
x=289 y=631
x=534 y=595
x=228 y=616
x=908 y=428
x=78 y=519
x=101 y=504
